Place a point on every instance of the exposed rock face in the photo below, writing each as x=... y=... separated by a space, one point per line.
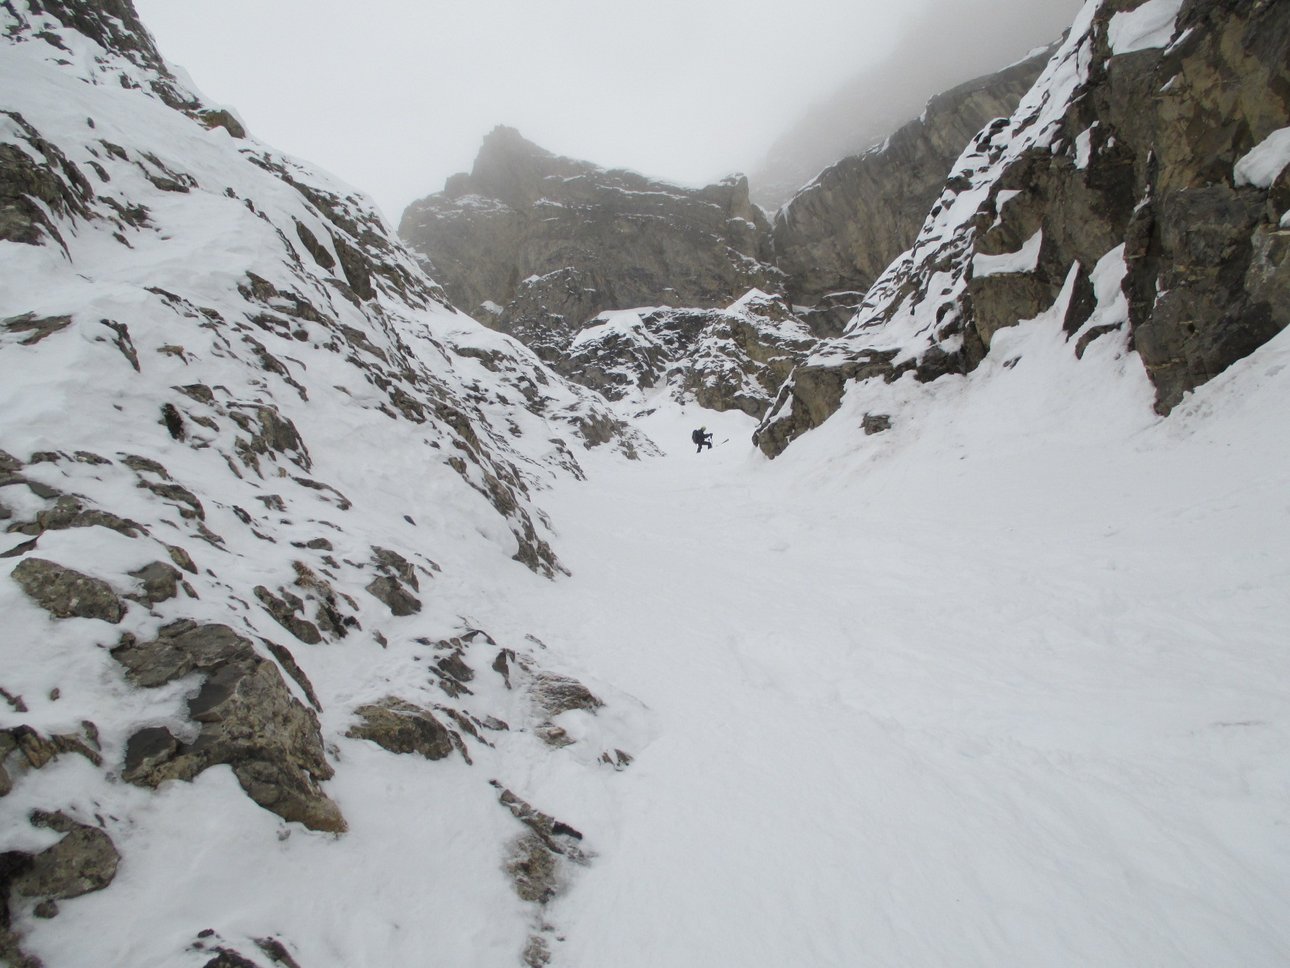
x=85 y=860
x=66 y=593
x=723 y=359
x=1122 y=196
x=249 y=720
x=837 y=235
x=538 y=244
x=401 y=727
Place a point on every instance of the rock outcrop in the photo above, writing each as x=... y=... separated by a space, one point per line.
x=536 y=245
x=838 y=233
x=1140 y=187
x=248 y=719
x=722 y=359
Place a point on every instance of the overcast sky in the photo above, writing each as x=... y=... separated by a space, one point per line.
x=393 y=96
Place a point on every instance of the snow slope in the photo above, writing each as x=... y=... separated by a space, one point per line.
x=220 y=368
x=1006 y=685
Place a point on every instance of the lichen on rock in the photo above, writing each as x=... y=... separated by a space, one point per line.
x=66 y=593
x=247 y=716
x=402 y=727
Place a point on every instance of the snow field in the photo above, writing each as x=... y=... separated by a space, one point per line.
x=1005 y=685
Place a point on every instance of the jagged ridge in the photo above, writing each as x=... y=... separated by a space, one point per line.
x=541 y=244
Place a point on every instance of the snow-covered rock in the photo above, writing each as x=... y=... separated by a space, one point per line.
x=1124 y=165
x=253 y=471
x=555 y=241
x=721 y=359
x=838 y=232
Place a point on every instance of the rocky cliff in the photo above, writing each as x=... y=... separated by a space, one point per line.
x=734 y=358
x=838 y=233
x=252 y=465
x=537 y=245
x=1139 y=193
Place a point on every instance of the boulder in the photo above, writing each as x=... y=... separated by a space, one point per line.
x=85 y=860
x=387 y=590
x=158 y=582
x=401 y=727
x=248 y=720
x=66 y=593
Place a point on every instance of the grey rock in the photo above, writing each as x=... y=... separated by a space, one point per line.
x=181 y=558
x=286 y=610
x=248 y=719
x=535 y=858
x=213 y=118
x=537 y=952
x=123 y=342
x=228 y=958
x=1143 y=157
x=147 y=751
x=159 y=582
x=288 y=662
x=723 y=359
x=875 y=423
x=532 y=869
x=396 y=598
x=815 y=392
x=39 y=750
x=837 y=234
x=401 y=727
x=178 y=496
x=554 y=694
x=36 y=327
x=30 y=188
x=277 y=952
x=65 y=593
x=270 y=434
x=315 y=248
x=554 y=242
x=85 y=860
x=173 y=421
x=394 y=564
x=71 y=512
x=617 y=758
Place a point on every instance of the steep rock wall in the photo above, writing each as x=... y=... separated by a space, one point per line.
x=1129 y=191
x=537 y=244
x=838 y=233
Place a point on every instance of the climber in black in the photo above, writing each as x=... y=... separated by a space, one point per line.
x=702 y=438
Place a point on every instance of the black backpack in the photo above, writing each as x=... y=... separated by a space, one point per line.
x=697 y=437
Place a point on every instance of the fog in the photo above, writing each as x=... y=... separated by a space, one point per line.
x=944 y=45
x=393 y=96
